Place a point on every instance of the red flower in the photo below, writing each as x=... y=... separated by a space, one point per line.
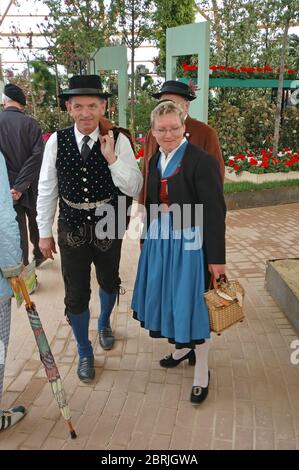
x=46 y=136
x=236 y=168
x=140 y=153
x=253 y=162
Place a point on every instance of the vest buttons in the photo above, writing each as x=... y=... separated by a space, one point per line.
x=84 y=179
x=88 y=217
x=86 y=189
x=84 y=169
x=86 y=199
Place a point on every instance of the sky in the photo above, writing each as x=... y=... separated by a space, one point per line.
x=10 y=58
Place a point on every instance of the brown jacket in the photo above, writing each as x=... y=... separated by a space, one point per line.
x=105 y=125
x=197 y=133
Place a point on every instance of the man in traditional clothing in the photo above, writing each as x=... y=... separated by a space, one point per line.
x=196 y=132
x=86 y=169
x=22 y=146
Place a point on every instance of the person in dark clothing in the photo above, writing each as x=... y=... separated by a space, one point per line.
x=22 y=146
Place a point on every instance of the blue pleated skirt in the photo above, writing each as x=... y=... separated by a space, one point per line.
x=168 y=293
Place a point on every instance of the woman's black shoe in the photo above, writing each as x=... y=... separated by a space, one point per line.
x=199 y=394
x=168 y=361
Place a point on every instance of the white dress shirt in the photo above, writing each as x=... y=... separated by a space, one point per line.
x=125 y=174
x=166 y=159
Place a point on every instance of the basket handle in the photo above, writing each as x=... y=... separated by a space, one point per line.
x=216 y=283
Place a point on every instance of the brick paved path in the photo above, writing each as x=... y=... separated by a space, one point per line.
x=133 y=403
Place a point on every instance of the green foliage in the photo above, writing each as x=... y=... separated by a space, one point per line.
x=229 y=123
x=52 y=119
x=43 y=81
x=143 y=107
x=132 y=18
x=168 y=14
x=290 y=128
x=231 y=187
x=78 y=30
x=259 y=122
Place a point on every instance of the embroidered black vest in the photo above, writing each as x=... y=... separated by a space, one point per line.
x=82 y=182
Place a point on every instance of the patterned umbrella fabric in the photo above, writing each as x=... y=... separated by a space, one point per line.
x=46 y=355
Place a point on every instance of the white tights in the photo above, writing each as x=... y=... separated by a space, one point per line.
x=201 y=369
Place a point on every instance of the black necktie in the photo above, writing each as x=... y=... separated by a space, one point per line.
x=85 y=150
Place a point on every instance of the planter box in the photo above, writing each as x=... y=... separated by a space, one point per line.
x=260 y=178
x=281 y=281
x=266 y=197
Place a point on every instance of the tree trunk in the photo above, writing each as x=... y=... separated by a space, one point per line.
x=57 y=91
x=280 y=88
x=31 y=90
x=132 y=114
x=217 y=24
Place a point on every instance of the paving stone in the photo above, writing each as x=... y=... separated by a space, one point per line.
x=134 y=403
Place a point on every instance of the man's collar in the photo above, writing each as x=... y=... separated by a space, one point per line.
x=13 y=108
x=94 y=135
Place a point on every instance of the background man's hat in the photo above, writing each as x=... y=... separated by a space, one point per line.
x=80 y=85
x=15 y=93
x=174 y=87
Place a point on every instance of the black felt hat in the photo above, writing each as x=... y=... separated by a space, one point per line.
x=89 y=85
x=15 y=93
x=173 y=87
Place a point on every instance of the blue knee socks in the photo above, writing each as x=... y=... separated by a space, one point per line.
x=80 y=324
x=107 y=303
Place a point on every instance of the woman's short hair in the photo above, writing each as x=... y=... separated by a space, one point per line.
x=167 y=107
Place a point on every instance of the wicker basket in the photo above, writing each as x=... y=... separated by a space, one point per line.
x=225 y=305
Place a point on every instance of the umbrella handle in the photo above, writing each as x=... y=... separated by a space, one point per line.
x=17 y=284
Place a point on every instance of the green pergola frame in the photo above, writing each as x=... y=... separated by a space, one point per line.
x=186 y=40
x=115 y=58
x=248 y=83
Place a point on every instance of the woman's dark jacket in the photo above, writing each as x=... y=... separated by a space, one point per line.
x=198 y=182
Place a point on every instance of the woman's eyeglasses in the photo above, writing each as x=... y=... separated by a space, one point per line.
x=171 y=130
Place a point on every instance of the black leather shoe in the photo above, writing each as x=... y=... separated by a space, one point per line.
x=199 y=394
x=86 y=372
x=168 y=361
x=106 y=338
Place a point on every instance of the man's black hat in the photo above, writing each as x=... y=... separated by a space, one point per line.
x=80 y=85
x=173 y=87
x=15 y=93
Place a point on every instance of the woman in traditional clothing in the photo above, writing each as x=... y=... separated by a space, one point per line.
x=184 y=243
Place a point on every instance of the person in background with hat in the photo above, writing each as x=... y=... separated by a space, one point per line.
x=22 y=146
x=196 y=132
x=10 y=266
x=86 y=169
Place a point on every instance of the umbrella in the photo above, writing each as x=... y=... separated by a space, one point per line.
x=45 y=352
